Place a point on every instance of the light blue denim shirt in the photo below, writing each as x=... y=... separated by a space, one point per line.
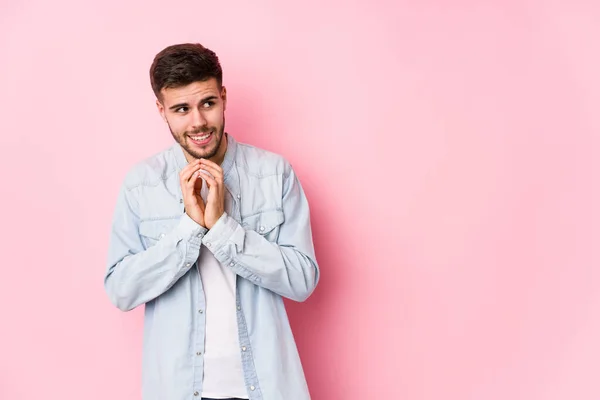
x=264 y=237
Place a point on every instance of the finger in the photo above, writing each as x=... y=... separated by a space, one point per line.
x=192 y=183
x=189 y=167
x=192 y=191
x=192 y=172
x=210 y=180
x=216 y=173
x=187 y=172
x=211 y=166
x=204 y=172
x=189 y=181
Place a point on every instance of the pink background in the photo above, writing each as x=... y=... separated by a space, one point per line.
x=449 y=150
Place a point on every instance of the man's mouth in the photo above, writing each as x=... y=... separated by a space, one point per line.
x=201 y=139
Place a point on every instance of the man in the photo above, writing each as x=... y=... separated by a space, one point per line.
x=210 y=235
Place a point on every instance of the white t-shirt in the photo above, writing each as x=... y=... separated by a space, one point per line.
x=223 y=373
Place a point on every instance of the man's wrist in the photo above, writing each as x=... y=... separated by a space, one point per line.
x=209 y=226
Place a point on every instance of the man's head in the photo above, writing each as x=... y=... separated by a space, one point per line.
x=187 y=81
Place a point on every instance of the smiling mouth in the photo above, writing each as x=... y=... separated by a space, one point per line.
x=201 y=139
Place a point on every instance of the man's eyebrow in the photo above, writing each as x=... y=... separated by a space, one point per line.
x=176 y=106
x=207 y=98
x=204 y=100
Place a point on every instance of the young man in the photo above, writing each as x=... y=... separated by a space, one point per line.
x=210 y=235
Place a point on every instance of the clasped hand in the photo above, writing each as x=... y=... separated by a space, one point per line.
x=190 y=179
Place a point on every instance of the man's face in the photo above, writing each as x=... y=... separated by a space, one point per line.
x=196 y=117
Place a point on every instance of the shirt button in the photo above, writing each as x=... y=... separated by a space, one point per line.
x=238 y=196
x=262 y=228
x=243 y=348
x=200 y=311
x=198 y=353
x=231 y=264
x=239 y=308
x=196 y=393
x=188 y=264
x=208 y=244
x=252 y=388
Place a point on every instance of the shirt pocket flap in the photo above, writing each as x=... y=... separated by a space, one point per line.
x=264 y=222
x=156 y=229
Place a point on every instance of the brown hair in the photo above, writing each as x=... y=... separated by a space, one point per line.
x=182 y=64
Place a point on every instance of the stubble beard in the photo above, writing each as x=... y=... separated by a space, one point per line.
x=182 y=140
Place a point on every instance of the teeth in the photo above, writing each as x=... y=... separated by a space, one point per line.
x=201 y=138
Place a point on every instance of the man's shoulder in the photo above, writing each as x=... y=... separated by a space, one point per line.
x=151 y=170
x=261 y=162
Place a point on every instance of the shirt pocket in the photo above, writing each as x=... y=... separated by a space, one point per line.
x=265 y=223
x=153 y=230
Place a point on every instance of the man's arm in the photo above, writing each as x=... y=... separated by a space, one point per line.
x=287 y=267
x=136 y=276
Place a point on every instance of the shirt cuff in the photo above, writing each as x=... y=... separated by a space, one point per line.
x=190 y=231
x=220 y=233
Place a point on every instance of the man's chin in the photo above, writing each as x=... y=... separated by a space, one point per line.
x=201 y=154
x=197 y=151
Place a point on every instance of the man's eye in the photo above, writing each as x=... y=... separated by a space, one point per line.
x=181 y=110
x=208 y=104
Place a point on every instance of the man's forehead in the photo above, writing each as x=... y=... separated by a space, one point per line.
x=195 y=90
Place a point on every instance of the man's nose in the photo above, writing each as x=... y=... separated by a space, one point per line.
x=199 y=120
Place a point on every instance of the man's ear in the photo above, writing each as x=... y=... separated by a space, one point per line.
x=224 y=97
x=161 y=110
